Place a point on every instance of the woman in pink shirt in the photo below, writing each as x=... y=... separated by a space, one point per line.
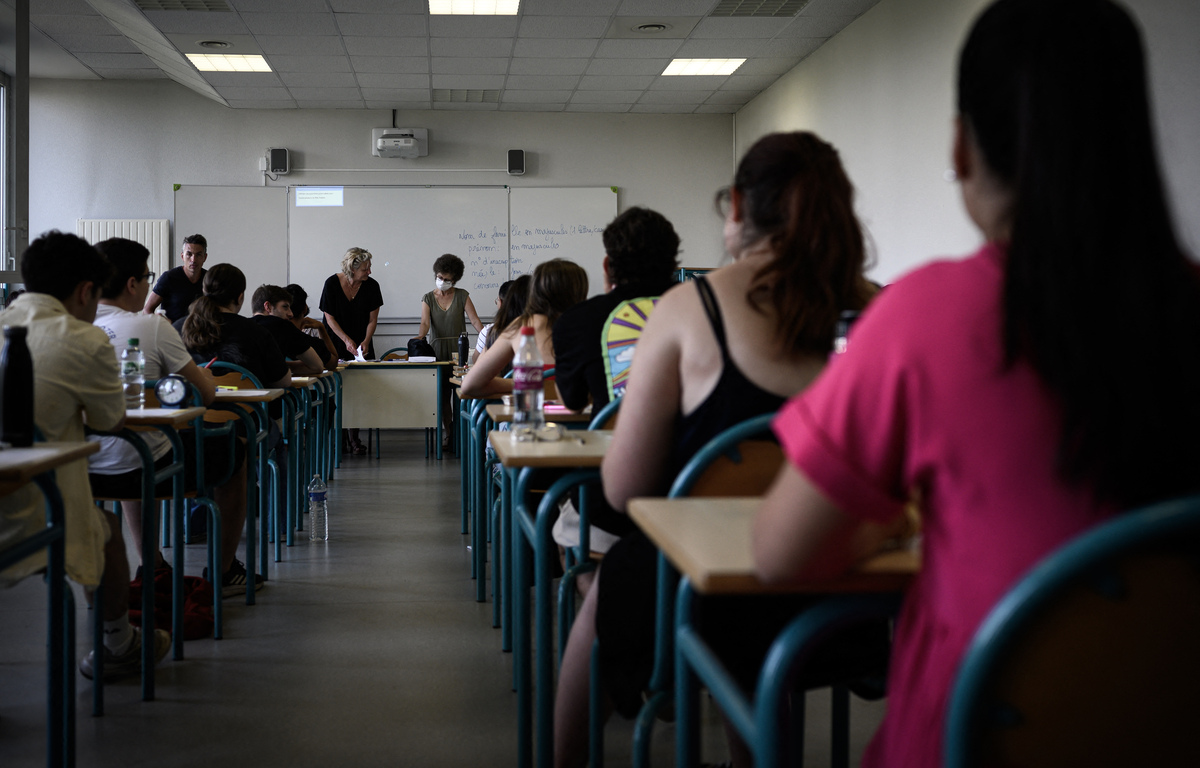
x=1024 y=393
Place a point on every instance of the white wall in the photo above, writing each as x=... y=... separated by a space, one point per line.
x=882 y=92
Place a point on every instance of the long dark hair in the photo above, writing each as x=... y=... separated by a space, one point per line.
x=796 y=196
x=223 y=284
x=1098 y=296
x=511 y=307
x=557 y=285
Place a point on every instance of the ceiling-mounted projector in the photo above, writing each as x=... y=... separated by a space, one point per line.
x=400 y=142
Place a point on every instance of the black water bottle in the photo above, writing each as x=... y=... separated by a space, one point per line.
x=16 y=389
x=463 y=348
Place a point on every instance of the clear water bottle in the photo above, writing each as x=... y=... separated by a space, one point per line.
x=527 y=388
x=16 y=389
x=133 y=375
x=318 y=510
x=841 y=337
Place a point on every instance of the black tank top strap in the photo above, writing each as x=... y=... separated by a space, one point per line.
x=709 y=300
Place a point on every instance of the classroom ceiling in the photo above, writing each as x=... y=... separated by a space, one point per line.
x=553 y=56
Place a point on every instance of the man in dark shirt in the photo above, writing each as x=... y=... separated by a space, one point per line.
x=273 y=313
x=179 y=287
x=640 y=247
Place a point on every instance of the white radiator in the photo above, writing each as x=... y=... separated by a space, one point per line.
x=155 y=234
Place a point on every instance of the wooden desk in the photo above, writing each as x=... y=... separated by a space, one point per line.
x=394 y=395
x=19 y=466
x=575 y=449
x=247 y=395
x=499 y=412
x=709 y=541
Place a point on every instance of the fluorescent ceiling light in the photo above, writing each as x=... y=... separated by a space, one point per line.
x=473 y=7
x=228 y=62
x=703 y=66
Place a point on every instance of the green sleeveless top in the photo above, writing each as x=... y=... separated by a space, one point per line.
x=446 y=324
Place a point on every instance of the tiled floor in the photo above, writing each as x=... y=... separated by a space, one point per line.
x=368 y=650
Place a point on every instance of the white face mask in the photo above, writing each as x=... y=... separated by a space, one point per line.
x=443 y=285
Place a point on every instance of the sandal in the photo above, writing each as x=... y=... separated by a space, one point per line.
x=357 y=448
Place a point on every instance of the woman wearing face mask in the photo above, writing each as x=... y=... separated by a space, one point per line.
x=443 y=308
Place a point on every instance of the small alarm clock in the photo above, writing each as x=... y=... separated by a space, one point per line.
x=172 y=390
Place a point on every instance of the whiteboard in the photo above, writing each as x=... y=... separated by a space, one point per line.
x=244 y=226
x=405 y=229
x=556 y=222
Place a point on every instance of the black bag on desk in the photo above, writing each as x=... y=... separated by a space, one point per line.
x=419 y=347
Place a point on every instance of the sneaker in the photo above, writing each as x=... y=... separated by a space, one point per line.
x=235 y=579
x=130 y=662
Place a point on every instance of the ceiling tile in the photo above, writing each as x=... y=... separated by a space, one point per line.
x=261 y=103
x=605 y=97
x=739 y=82
x=534 y=97
x=325 y=94
x=375 y=25
x=388 y=104
x=471 y=46
x=613 y=82
x=569 y=7
x=379 y=6
x=542 y=48
x=387 y=46
x=666 y=7
x=470 y=82
x=816 y=26
x=637 y=49
x=674 y=97
x=720 y=49
x=290 y=23
x=472 y=26
x=716 y=109
x=206 y=23
x=790 y=46
x=395 y=94
x=451 y=66
x=374 y=80
x=740 y=27
x=679 y=83
x=838 y=7
x=662 y=109
x=307 y=45
x=465 y=106
x=577 y=107
x=390 y=64
x=538 y=82
x=627 y=66
x=96 y=43
x=117 y=60
x=548 y=66
x=253 y=92
x=330 y=104
x=130 y=74
x=768 y=66
x=282 y=63
x=300 y=6
x=512 y=106
x=47 y=7
x=260 y=79
x=57 y=24
x=563 y=26
x=318 y=79
x=731 y=97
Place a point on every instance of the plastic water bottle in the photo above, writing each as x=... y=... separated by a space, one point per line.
x=527 y=388
x=841 y=336
x=16 y=389
x=133 y=374
x=318 y=510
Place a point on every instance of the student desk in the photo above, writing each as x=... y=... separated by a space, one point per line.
x=498 y=412
x=19 y=466
x=395 y=394
x=576 y=450
x=709 y=541
x=256 y=434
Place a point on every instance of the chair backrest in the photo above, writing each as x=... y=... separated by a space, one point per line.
x=621 y=332
x=245 y=379
x=1091 y=659
x=607 y=417
x=741 y=461
x=395 y=353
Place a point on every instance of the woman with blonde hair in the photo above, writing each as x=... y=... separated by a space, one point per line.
x=351 y=302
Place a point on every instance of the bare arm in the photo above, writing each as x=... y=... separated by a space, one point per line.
x=483 y=380
x=424 y=329
x=374 y=321
x=152 y=302
x=636 y=463
x=201 y=378
x=800 y=535
x=308 y=364
x=472 y=315
x=286 y=381
x=309 y=322
x=349 y=342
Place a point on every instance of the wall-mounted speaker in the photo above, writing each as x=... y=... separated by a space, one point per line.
x=277 y=161
x=516 y=162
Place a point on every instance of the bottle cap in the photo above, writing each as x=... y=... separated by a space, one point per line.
x=15 y=331
x=527 y=330
x=133 y=342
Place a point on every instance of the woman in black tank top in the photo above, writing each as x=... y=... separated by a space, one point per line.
x=714 y=353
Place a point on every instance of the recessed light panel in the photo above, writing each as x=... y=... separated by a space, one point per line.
x=473 y=7
x=228 y=62
x=703 y=66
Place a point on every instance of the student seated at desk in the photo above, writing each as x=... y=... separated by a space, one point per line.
x=1029 y=391
x=556 y=286
x=273 y=313
x=75 y=377
x=717 y=351
x=311 y=327
x=116 y=471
